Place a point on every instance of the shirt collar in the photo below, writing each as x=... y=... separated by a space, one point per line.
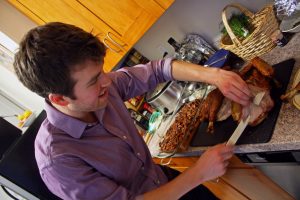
x=68 y=124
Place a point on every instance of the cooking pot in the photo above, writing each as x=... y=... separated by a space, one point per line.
x=165 y=97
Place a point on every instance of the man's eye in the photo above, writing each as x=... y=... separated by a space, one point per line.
x=94 y=82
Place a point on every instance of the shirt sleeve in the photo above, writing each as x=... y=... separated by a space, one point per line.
x=133 y=81
x=71 y=178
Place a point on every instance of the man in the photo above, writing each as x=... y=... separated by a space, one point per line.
x=88 y=146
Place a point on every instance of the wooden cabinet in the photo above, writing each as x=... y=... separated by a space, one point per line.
x=119 y=24
x=254 y=185
x=240 y=182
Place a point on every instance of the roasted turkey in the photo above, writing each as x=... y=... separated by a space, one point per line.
x=291 y=93
x=258 y=75
x=210 y=108
x=257 y=112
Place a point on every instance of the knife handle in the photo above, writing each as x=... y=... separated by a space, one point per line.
x=238 y=131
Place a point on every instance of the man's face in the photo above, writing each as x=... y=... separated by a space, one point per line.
x=91 y=88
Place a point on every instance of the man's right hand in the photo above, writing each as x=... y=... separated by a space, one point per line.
x=213 y=162
x=210 y=165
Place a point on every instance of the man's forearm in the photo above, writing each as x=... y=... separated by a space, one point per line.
x=184 y=71
x=229 y=83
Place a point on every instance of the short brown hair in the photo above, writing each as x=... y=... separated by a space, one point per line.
x=48 y=54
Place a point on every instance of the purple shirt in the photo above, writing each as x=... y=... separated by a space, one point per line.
x=109 y=160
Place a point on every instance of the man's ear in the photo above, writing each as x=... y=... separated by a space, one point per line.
x=58 y=99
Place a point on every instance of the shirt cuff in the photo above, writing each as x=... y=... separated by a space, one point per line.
x=167 y=69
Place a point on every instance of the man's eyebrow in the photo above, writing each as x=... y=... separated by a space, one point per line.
x=93 y=79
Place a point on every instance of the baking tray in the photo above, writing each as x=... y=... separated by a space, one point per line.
x=160 y=133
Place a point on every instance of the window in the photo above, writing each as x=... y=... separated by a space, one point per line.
x=14 y=97
x=7 y=49
x=9 y=109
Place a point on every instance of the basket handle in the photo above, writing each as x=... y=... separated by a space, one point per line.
x=234 y=39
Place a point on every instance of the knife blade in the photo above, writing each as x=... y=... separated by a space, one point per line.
x=216 y=61
x=243 y=123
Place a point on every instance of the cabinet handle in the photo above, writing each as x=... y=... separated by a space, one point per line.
x=113 y=41
x=114 y=50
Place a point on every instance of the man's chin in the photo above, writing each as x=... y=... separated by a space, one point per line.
x=102 y=106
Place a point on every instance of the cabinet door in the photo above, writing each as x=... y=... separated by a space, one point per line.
x=224 y=191
x=128 y=18
x=253 y=184
x=119 y=24
x=241 y=181
x=221 y=189
x=71 y=12
x=164 y=3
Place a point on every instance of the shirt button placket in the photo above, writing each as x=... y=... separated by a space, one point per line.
x=124 y=137
x=138 y=154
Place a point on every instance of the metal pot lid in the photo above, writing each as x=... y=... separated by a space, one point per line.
x=160 y=88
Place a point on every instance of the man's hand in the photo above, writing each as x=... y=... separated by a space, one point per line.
x=232 y=86
x=209 y=166
x=213 y=163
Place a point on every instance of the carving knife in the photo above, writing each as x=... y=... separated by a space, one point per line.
x=243 y=123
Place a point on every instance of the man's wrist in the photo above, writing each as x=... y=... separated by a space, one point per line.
x=213 y=74
x=196 y=176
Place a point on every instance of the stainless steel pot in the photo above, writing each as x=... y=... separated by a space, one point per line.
x=165 y=97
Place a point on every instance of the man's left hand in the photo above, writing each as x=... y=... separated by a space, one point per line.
x=233 y=86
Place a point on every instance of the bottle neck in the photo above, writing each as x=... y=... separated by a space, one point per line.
x=174 y=44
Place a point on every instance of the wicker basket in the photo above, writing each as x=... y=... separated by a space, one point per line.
x=259 y=42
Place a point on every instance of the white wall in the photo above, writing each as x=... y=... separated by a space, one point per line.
x=14 y=24
x=187 y=16
x=15 y=89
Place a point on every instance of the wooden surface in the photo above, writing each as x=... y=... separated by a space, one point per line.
x=71 y=12
x=120 y=24
x=225 y=191
x=164 y=3
x=240 y=182
x=253 y=184
x=129 y=19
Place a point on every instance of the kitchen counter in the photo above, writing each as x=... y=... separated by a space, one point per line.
x=286 y=134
